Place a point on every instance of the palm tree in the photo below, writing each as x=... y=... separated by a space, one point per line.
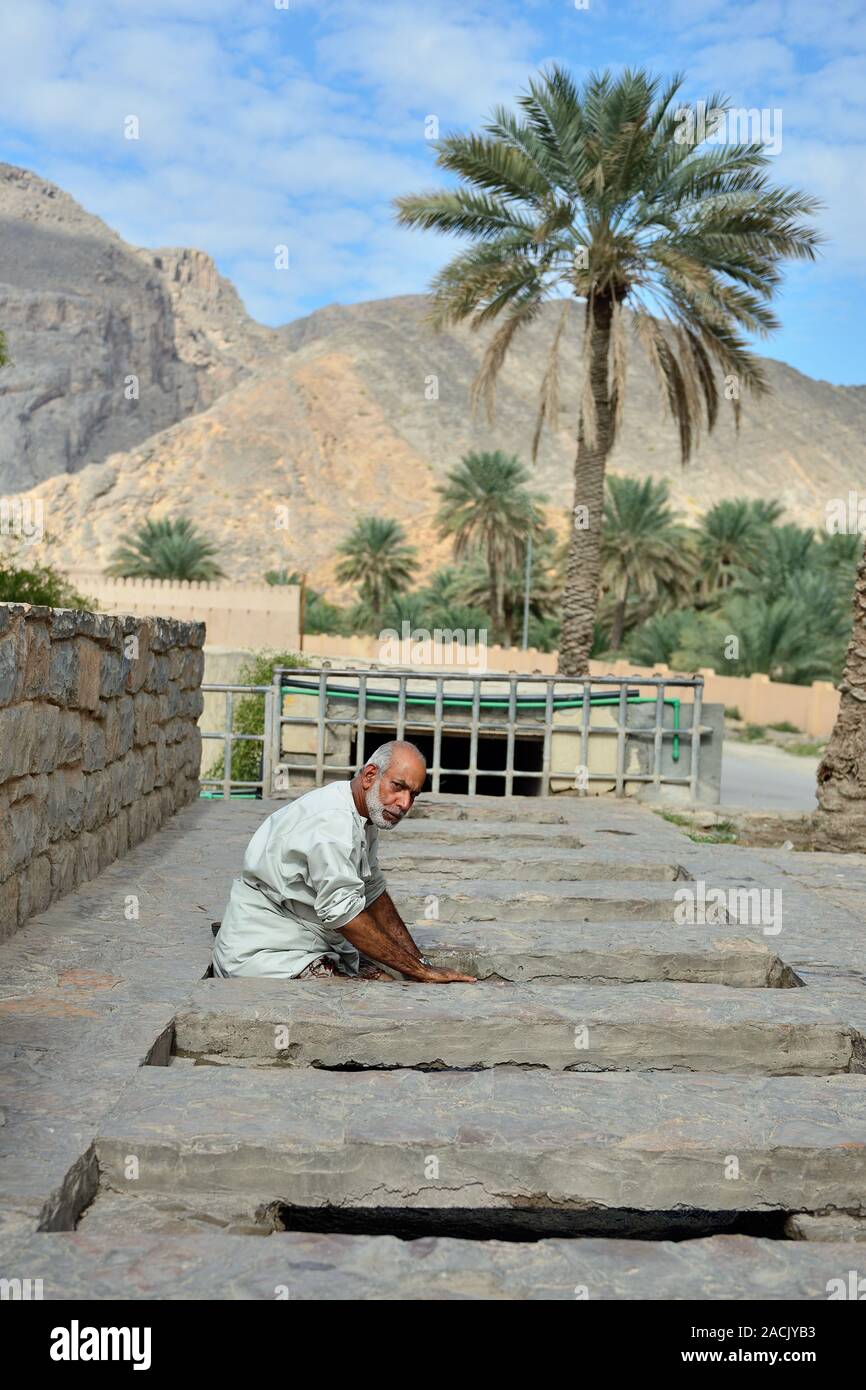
x=378 y=559
x=486 y=507
x=785 y=552
x=452 y=601
x=599 y=194
x=837 y=556
x=656 y=640
x=281 y=577
x=841 y=816
x=765 y=511
x=644 y=553
x=796 y=637
x=472 y=584
x=779 y=637
x=167 y=549
x=730 y=537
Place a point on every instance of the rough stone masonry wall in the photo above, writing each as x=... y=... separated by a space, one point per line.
x=99 y=744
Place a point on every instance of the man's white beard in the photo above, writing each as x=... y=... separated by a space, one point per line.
x=376 y=811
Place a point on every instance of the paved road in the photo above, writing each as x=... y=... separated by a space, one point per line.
x=758 y=777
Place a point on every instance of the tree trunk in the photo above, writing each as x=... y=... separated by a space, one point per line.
x=496 y=593
x=619 y=620
x=508 y=611
x=580 y=596
x=841 y=816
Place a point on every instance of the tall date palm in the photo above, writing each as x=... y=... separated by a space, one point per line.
x=485 y=505
x=602 y=194
x=375 y=556
x=171 y=548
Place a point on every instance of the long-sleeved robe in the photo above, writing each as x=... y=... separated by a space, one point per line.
x=310 y=868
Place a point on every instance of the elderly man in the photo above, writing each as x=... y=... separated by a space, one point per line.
x=312 y=899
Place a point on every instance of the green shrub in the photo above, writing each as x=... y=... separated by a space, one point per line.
x=806 y=750
x=40 y=585
x=249 y=715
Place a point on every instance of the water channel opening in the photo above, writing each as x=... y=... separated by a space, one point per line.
x=454 y=754
x=527 y=1223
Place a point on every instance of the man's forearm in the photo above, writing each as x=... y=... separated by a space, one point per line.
x=368 y=935
x=385 y=913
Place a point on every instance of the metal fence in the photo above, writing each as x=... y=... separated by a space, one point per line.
x=332 y=711
x=230 y=738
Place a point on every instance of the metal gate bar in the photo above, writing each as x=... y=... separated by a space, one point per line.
x=227 y=736
x=529 y=706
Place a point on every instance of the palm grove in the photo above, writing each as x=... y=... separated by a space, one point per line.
x=741 y=592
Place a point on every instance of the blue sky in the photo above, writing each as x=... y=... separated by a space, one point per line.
x=295 y=122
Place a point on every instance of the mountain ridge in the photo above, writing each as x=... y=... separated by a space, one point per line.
x=348 y=410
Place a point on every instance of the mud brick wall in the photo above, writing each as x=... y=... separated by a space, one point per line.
x=99 y=744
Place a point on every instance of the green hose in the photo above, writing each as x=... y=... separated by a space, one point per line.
x=489 y=702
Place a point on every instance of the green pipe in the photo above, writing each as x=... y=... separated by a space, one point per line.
x=487 y=702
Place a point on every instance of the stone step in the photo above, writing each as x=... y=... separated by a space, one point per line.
x=539 y=810
x=492 y=1141
x=550 y=865
x=510 y=834
x=605 y=953
x=307 y=1267
x=698 y=1028
x=514 y=900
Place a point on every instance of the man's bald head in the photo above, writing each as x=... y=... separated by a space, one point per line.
x=390 y=780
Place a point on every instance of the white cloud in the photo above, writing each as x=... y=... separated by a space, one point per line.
x=262 y=126
x=454 y=61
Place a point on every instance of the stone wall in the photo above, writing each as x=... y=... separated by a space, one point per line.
x=99 y=743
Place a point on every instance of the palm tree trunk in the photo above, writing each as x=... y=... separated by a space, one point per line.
x=619 y=619
x=508 y=620
x=496 y=591
x=580 y=596
x=840 y=820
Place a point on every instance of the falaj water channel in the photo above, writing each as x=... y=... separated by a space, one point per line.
x=626 y=1106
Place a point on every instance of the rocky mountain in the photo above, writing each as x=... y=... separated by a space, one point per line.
x=273 y=441
x=109 y=344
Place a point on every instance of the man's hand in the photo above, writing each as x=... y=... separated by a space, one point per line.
x=434 y=976
x=377 y=938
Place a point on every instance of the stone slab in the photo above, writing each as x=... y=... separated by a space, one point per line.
x=835 y=1226
x=515 y=900
x=494 y=860
x=414 y=834
x=605 y=953
x=506 y=1138
x=311 y=1267
x=540 y=810
x=698 y=1028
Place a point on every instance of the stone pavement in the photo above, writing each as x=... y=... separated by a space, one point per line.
x=616 y=1079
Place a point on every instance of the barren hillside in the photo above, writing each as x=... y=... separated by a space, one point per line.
x=352 y=409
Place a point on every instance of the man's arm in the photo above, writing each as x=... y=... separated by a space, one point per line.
x=376 y=937
x=389 y=919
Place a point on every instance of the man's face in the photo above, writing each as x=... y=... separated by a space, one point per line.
x=390 y=794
